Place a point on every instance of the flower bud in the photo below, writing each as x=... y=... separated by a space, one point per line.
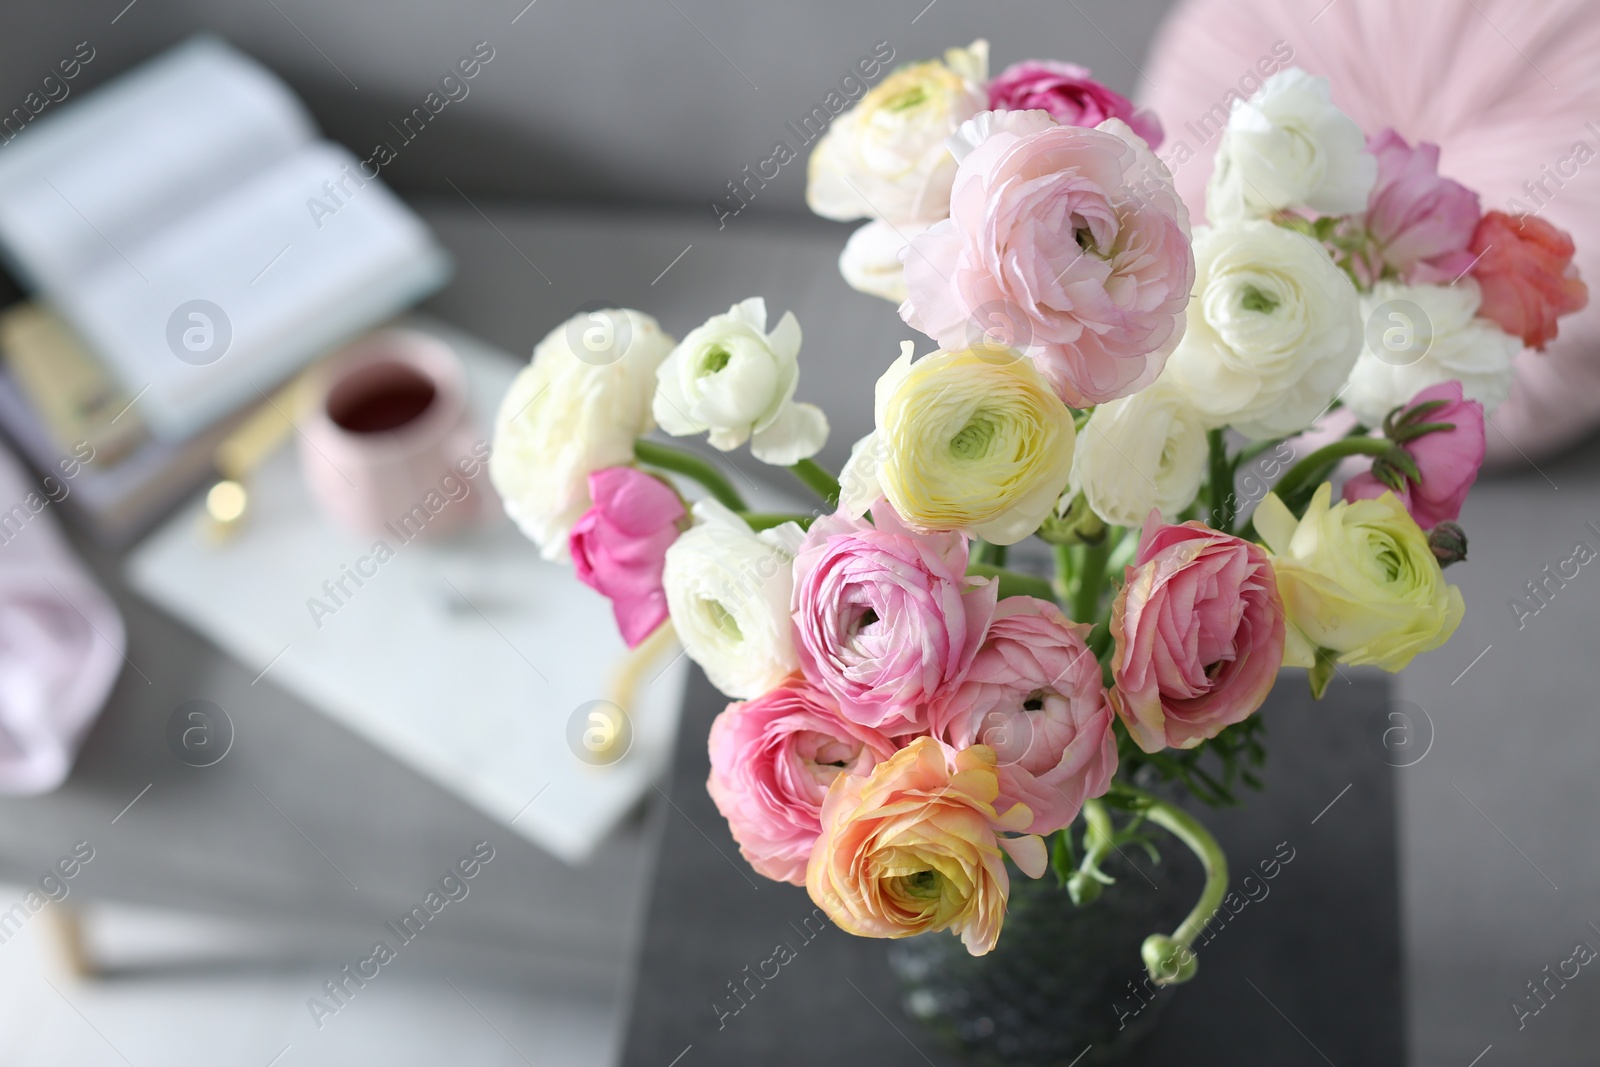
x=1083 y=888
x=1169 y=962
x=1449 y=543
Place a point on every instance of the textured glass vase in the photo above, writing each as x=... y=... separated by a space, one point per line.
x=1061 y=979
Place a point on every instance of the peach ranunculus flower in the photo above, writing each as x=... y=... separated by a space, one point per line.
x=917 y=846
x=1066 y=242
x=1525 y=270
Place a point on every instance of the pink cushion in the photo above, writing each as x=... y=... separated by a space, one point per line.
x=1502 y=108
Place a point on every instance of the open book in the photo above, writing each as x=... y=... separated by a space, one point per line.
x=185 y=220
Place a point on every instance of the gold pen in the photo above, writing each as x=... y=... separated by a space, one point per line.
x=245 y=449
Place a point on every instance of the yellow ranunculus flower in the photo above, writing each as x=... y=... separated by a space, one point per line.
x=886 y=157
x=973 y=440
x=1359 y=580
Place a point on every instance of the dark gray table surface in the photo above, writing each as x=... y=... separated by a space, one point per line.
x=1310 y=973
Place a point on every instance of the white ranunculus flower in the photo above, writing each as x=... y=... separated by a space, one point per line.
x=1274 y=328
x=1290 y=147
x=871 y=262
x=576 y=408
x=1421 y=335
x=728 y=592
x=1140 y=452
x=732 y=378
x=886 y=158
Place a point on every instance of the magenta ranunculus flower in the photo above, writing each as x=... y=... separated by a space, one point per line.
x=619 y=545
x=772 y=760
x=1422 y=223
x=886 y=618
x=1199 y=631
x=1034 y=695
x=1070 y=94
x=1448 y=460
x=1070 y=242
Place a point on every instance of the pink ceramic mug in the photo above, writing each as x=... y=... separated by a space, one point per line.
x=388 y=447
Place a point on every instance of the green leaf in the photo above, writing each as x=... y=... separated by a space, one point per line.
x=1412 y=430
x=1401 y=459
x=1321 y=673
x=1062 y=861
x=1418 y=412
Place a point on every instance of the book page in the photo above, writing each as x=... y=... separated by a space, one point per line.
x=84 y=185
x=234 y=297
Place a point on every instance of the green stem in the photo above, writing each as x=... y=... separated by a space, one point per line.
x=1099 y=840
x=1091 y=581
x=1221 y=482
x=1062 y=555
x=816 y=478
x=682 y=461
x=766 y=520
x=1315 y=464
x=1170 y=959
x=1012 y=583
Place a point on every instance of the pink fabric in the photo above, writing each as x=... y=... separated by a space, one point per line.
x=1448 y=460
x=619 y=546
x=1504 y=113
x=61 y=638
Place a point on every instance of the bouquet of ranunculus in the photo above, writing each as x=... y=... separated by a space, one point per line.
x=909 y=713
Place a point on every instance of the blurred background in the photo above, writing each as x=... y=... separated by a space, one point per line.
x=281 y=761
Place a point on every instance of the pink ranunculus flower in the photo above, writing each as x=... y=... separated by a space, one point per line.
x=1526 y=274
x=1073 y=238
x=1199 y=632
x=886 y=618
x=1448 y=460
x=1071 y=95
x=772 y=760
x=619 y=545
x=1422 y=223
x=1034 y=695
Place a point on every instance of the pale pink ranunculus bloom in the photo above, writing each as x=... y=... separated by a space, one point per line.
x=1526 y=274
x=772 y=760
x=1448 y=460
x=1034 y=695
x=1071 y=96
x=1065 y=242
x=1199 y=632
x=619 y=545
x=917 y=846
x=885 y=617
x=1421 y=223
